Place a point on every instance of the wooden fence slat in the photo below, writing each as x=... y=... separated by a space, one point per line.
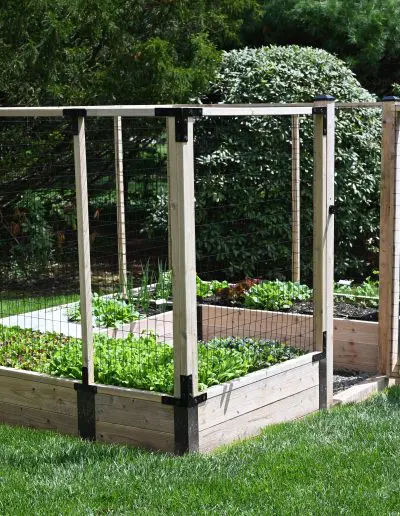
x=295 y=198
x=323 y=246
x=389 y=243
x=119 y=181
x=82 y=207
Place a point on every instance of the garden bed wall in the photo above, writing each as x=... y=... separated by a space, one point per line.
x=122 y=415
x=355 y=343
x=242 y=407
x=234 y=410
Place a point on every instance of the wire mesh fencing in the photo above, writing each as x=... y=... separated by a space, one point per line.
x=39 y=271
x=131 y=281
x=250 y=299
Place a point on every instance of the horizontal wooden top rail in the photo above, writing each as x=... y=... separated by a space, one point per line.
x=355 y=105
x=207 y=109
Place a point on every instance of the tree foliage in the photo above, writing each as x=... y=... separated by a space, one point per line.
x=113 y=51
x=365 y=33
x=243 y=175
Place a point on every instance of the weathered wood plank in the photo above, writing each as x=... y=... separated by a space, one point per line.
x=36 y=377
x=366 y=332
x=251 y=423
x=234 y=403
x=256 y=376
x=134 y=412
x=127 y=392
x=17 y=415
x=26 y=393
x=356 y=356
x=143 y=438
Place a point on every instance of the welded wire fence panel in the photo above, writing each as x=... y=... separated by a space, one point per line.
x=131 y=280
x=248 y=303
x=38 y=243
x=358 y=170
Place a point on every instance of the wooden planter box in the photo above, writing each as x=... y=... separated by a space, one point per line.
x=355 y=342
x=233 y=410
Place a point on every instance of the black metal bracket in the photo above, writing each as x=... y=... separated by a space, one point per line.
x=86 y=402
x=321 y=111
x=324 y=344
x=181 y=116
x=318 y=357
x=199 y=322
x=186 y=418
x=332 y=209
x=322 y=354
x=73 y=114
x=187 y=399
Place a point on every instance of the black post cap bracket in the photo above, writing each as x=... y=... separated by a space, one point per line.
x=181 y=112
x=390 y=98
x=328 y=98
x=181 y=115
x=73 y=114
x=187 y=399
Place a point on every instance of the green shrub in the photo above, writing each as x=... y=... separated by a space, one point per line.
x=243 y=166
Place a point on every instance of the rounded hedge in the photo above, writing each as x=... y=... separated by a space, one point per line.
x=243 y=166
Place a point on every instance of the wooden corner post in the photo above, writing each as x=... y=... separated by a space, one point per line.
x=183 y=261
x=323 y=240
x=119 y=181
x=389 y=246
x=295 y=198
x=85 y=391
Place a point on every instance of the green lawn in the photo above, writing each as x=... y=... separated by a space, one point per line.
x=346 y=461
x=13 y=305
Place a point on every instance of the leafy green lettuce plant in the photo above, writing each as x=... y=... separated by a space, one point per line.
x=108 y=312
x=139 y=362
x=276 y=295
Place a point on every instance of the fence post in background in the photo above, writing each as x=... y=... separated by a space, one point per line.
x=389 y=246
x=119 y=181
x=295 y=198
x=183 y=261
x=323 y=240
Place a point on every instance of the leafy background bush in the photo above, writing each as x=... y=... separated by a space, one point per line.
x=243 y=166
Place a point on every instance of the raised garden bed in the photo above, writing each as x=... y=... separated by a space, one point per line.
x=233 y=410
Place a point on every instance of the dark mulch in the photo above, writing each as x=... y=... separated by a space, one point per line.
x=341 y=310
x=343 y=380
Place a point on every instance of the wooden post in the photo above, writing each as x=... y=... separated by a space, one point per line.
x=389 y=247
x=295 y=199
x=84 y=250
x=169 y=204
x=323 y=240
x=119 y=181
x=183 y=254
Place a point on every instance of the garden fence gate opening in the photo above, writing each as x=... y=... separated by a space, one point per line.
x=167 y=272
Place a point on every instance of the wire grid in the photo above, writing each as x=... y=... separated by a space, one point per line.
x=38 y=243
x=243 y=181
x=357 y=219
x=132 y=317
